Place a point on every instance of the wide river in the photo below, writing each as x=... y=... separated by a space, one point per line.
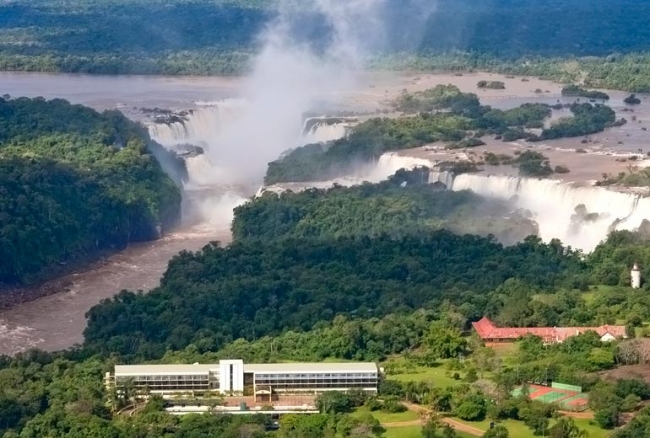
x=57 y=321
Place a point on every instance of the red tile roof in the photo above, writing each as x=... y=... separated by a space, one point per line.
x=487 y=330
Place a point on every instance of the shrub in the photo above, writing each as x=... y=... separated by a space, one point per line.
x=373 y=404
x=393 y=406
x=607 y=418
x=561 y=169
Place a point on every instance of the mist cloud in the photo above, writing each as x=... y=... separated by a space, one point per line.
x=295 y=69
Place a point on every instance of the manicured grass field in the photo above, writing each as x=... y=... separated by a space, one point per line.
x=436 y=375
x=385 y=417
x=593 y=429
x=520 y=430
x=404 y=432
x=413 y=432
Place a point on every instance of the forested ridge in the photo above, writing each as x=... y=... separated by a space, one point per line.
x=254 y=288
x=553 y=38
x=404 y=205
x=74 y=181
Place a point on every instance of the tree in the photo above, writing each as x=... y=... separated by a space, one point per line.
x=536 y=419
x=334 y=402
x=607 y=418
x=632 y=100
x=445 y=342
x=630 y=403
x=485 y=360
x=471 y=408
x=430 y=428
x=532 y=163
x=566 y=428
x=498 y=431
x=448 y=432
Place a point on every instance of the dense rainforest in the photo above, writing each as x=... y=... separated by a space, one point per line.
x=397 y=207
x=444 y=114
x=341 y=292
x=256 y=287
x=73 y=182
x=552 y=38
x=380 y=272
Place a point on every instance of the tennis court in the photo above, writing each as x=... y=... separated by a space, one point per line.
x=576 y=403
x=569 y=397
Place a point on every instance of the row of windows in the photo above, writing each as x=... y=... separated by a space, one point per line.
x=314 y=385
x=176 y=387
x=316 y=376
x=172 y=377
x=300 y=380
x=168 y=383
x=337 y=382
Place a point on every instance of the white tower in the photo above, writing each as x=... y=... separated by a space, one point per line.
x=636 y=277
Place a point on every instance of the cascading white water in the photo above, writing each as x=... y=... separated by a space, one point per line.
x=207 y=126
x=553 y=204
x=324 y=132
x=579 y=216
x=390 y=163
x=385 y=167
x=201 y=125
x=447 y=178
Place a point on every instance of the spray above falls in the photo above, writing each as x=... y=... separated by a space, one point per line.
x=579 y=216
x=196 y=134
x=312 y=52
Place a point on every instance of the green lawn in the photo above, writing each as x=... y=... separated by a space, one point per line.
x=520 y=430
x=437 y=375
x=404 y=432
x=594 y=430
x=413 y=432
x=385 y=417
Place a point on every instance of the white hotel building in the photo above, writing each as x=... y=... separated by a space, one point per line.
x=233 y=377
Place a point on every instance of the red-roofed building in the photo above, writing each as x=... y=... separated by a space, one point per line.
x=492 y=334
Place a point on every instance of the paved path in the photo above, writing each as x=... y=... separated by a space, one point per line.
x=453 y=423
x=583 y=415
x=402 y=424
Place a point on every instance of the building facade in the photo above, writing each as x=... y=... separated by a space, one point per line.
x=233 y=377
x=491 y=334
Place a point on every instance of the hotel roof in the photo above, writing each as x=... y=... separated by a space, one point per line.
x=351 y=367
x=151 y=369
x=156 y=369
x=487 y=330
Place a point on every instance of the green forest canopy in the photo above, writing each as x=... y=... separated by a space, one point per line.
x=74 y=181
x=270 y=297
x=218 y=37
x=375 y=209
x=257 y=287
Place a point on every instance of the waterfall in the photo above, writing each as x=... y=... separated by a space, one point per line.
x=386 y=166
x=390 y=163
x=222 y=129
x=324 y=129
x=446 y=178
x=323 y=132
x=200 y=125
x=579 y=216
